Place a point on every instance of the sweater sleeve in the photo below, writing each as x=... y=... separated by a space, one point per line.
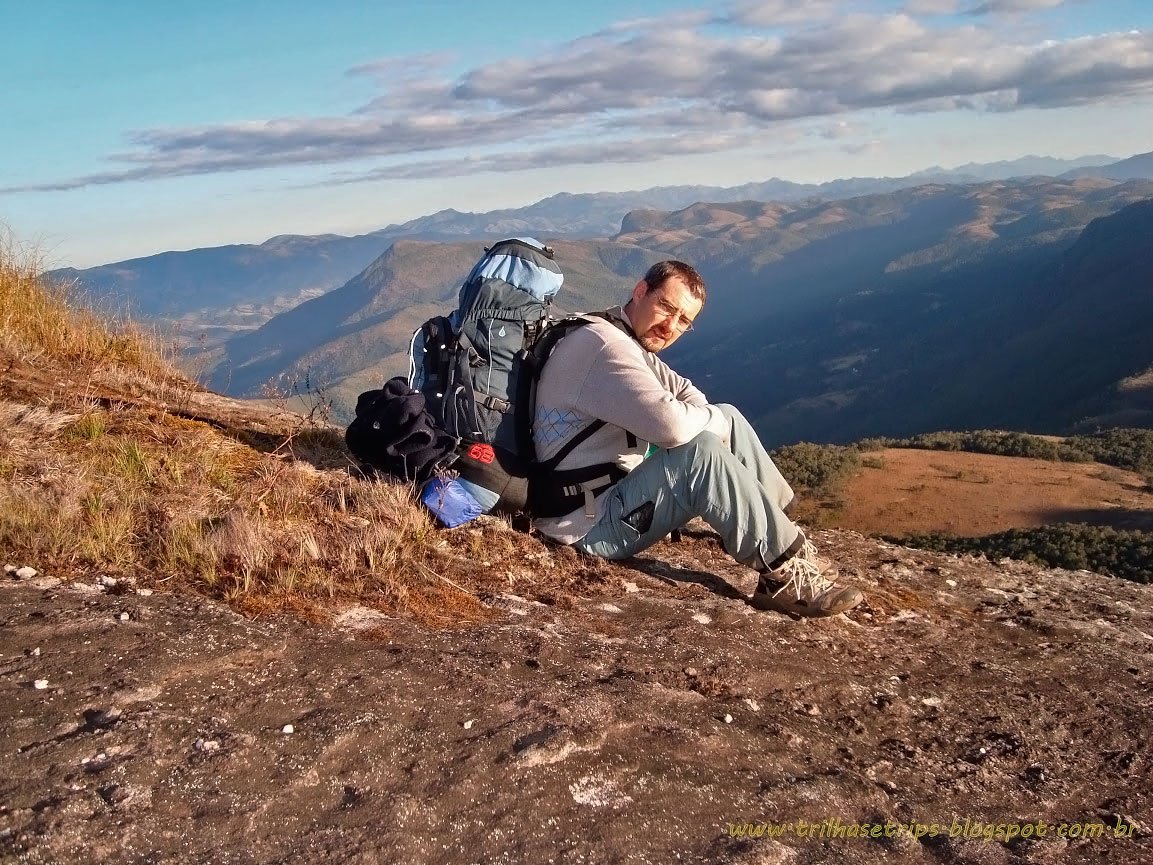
x=679 y=386
x=623 y=388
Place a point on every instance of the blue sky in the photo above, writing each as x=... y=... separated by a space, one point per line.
x=130 y=127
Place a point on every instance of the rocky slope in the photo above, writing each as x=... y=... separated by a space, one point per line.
x=646 y=719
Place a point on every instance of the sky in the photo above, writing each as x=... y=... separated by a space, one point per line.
x=129 y=128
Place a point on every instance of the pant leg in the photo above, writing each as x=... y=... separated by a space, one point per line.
x=746 y=445
x=700 y=478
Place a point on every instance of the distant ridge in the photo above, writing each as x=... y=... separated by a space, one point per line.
x=1133 y=168
x=1026 y=166
x=238 y=287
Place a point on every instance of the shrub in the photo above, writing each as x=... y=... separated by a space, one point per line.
x=1076 y=546
x=816 y=468
x=1130 y=449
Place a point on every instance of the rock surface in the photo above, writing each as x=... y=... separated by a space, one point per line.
x=649 y=732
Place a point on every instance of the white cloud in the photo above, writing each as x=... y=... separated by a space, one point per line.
x=662 y=90
x=1016 y=7
x=775 y=13
x=931 y=7
x=859 y=148
x=593 y=152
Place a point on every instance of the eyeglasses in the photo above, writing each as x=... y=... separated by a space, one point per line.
x=681 y=322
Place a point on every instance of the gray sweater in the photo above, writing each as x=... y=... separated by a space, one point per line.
x=600 y=372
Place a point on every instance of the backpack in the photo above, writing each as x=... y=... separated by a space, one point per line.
x=467 y=363
x=470 y=368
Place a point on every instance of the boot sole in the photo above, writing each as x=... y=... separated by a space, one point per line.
x=767 y=603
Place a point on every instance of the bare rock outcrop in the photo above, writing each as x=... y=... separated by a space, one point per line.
x=975 y=712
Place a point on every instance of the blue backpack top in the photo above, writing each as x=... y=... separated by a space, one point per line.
x=524 y=263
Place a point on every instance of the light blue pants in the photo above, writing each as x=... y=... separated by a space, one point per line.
x=736 y=489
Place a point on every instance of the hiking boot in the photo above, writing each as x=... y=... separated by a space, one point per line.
x=805 y=585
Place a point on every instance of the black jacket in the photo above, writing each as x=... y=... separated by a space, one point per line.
x=394 y=433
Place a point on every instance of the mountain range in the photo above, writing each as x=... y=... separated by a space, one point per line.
x=997 y=306
x=214 y=293
x=891 y=312
x=888 y=314
x=1132 y=168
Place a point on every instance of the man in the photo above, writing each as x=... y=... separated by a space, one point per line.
x=641 y=452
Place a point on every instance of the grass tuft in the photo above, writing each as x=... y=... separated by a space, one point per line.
x=111 y=463
x=41 y=320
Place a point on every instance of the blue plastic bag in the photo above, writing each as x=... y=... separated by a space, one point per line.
x=454 y=501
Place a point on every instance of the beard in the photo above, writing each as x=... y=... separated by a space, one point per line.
x=653 y=342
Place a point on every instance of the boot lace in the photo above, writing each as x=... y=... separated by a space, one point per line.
x=803 y=574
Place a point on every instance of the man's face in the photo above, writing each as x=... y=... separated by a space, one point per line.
x=660 y=316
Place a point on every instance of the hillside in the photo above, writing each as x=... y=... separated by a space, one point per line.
x=217 y=292
x=1139 y=166
x=882 y=314
x=114 y=464
x=357 y=336
x=1098 y=293
x=946 y=317
x=904 y=491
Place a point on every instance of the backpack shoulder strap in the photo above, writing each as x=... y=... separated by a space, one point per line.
x=616 y=320
x=532 y=360
x=554 y=492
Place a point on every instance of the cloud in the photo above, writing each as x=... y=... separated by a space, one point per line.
x=673 y=89
x=675 y=19
x=1017 y=7
x=594 y=152
x=840 y=129
x=858 y=148
x=406 y=67
x=931 y=7
x=774 y=13
x=246 y=146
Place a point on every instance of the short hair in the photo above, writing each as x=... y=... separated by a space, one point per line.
x=662 y=271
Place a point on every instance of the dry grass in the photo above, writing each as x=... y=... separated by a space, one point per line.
x=112 y=476
x=42 y=321
x=970 y=495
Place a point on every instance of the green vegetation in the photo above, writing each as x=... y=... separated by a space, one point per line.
x=817 y=468
x=1130 y=449
x=1126 y=554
